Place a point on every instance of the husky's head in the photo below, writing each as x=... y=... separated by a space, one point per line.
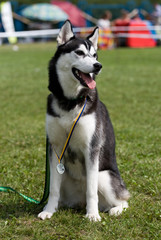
x=76 y=61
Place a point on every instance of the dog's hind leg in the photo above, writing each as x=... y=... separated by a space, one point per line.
x=54 y=195
x=113 y=194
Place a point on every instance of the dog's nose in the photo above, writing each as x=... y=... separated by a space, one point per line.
x=97 y=66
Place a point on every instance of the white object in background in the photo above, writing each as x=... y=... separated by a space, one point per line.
x=7 y=20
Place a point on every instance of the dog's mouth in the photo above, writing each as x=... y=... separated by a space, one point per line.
x=84 y=78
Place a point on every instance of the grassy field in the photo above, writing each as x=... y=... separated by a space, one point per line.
x=130 y=86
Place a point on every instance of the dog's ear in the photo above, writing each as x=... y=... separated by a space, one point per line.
x=93 y=37
x=65 y=34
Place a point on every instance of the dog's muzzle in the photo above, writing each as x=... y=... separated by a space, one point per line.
x=87 y=79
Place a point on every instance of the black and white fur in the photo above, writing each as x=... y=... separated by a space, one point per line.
x=91 y=176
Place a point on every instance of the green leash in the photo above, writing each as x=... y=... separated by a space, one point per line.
x=47 y=182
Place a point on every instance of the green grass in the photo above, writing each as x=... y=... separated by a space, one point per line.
x=130 y=86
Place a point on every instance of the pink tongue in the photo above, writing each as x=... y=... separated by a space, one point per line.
x=88 y=80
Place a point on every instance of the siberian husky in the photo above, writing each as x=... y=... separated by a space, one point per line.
x=91 y=176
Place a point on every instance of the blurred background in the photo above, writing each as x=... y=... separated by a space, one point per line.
x=129 y=23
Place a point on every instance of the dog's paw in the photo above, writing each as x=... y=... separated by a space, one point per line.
x=93 y=217
x=115 y=211
x=44 y=214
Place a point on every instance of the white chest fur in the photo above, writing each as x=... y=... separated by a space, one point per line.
x=58 y=130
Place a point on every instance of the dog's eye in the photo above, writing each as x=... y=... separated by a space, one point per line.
x=79 y=53
x=94 y=55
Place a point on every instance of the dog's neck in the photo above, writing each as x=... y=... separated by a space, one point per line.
x=68 y=103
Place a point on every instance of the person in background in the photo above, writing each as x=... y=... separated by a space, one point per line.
x=157 y=14
x=105 y=40
x=104 y=21
x=122 y=21
x=156 y=19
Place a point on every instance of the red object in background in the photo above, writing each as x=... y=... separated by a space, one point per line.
x=73 y=12
x=140 y=42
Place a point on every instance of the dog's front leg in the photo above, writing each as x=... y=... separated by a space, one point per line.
x=92 y=189
x=54 y=195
